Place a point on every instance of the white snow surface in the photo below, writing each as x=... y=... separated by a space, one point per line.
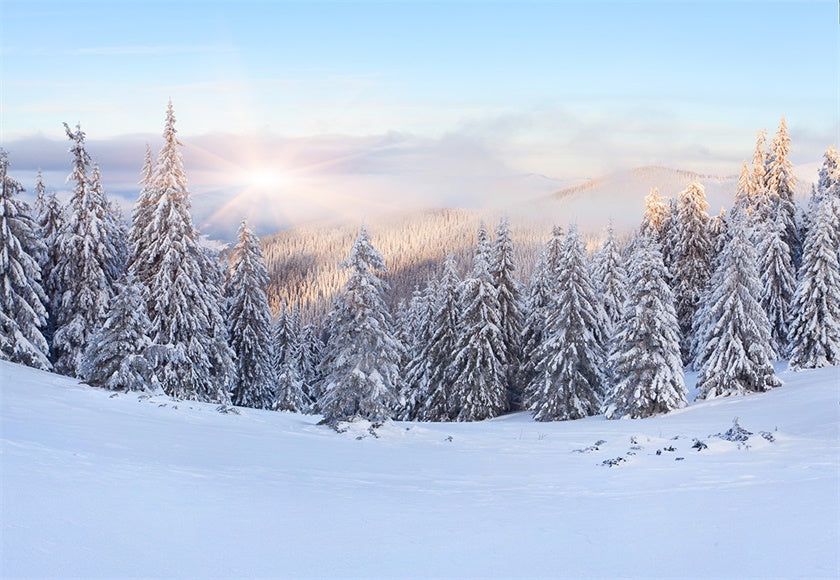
x=95 y=485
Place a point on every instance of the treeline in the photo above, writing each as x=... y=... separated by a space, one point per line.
x=148 y=307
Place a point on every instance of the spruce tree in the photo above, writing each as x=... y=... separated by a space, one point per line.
x=87 y=265
x=540 y=297
x=692 y=260
x=22 y=311
x=429 y=372
x=610 y=280
x=478 y=365
x=249 y=324
x=120 y=355
x=645 y=363
x=361 y=365
x=308 y=360
x=781 y=183
x=141 y=217
x=50 y=223
x=815 y=330
x=735 y=342
x=670 y=238
x=778 y=282
x=569 y=382
x=656 y=216
x=760 y=207
x=502 y=276
x=116 y=233
x=291 y=394
x=742 y=205
x=718 y=234
x=182 y=288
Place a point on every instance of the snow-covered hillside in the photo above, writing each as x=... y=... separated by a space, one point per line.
x=95 y=484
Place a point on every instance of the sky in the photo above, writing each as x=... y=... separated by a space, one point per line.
x=317 y=105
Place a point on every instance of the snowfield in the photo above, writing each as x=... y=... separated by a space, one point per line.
x=98 y=485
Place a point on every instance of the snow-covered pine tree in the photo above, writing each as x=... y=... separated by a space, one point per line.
x=50 y=223
x=540 y=296
x=781 y=183
x=742 y=205
x=610 y=279
x=361 y=365
x=249 y=324
x=416 y=333
x=757 y=194
x=718 y=234
x=116 y=235
x=735 y=344
x=778 y=282
x=182 y=287
x=670 y=238
x=645 y=363
x=84 y=274
x=692 y=260
x=141 y=217
x=656 y=215
x=815 y=329
x=308 y=359
x=478 y=364
x=827 y=186
x=291 y=395
x=503 y=278
x=569 y=382
x=120 y=354
x=22 y=311
x=429 y=372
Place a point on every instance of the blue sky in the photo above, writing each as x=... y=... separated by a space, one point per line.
x=565 y=89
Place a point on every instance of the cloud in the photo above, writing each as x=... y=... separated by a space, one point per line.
x=495 y=161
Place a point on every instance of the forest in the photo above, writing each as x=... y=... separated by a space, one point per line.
x=470 y=327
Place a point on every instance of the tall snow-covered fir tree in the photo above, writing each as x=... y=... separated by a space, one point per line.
x=290 y=392
x=815 y=329
x=692 y=265
x=361 y=366
x=656 y=215
x=181 y=286
x=778 y=281
x=645 y=362
x=88 y=263
x=116 y=236
x=503 y=278
x=760 y=207
x=540 y=296
x=718 y=234
x=249 y=324
x=610 y=279
x=670 y=238
x=479 y=389
x=735 y=354
x=429 y=372
x=50 y=223
x=781 y=183
x=828 y=186
x=120 y=354
x=569 y=381
x=742 y=205
x=141 y=217
x=308 y=360
x=22 y=310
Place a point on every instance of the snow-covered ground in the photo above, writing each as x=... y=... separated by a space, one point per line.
x=102 y=485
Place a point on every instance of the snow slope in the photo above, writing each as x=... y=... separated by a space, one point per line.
x=95 y=485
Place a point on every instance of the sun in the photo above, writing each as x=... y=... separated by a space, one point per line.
x=263 y=178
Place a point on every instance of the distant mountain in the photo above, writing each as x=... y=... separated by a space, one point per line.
x=620 y=196
x=303 y=260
